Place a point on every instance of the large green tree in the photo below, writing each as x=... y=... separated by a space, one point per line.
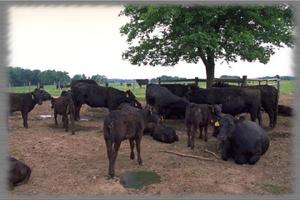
x=165 y=35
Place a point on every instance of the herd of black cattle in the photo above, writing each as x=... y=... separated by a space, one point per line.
x=242 y=140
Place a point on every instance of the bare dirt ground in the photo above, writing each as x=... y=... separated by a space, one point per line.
x=77 y=164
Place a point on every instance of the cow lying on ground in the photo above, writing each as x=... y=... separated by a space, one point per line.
x=64 y=106
x=19 y=173
x=98 y=96
x=122 y=124
x=285 y=110
x=269 y=99
x=165 y=102
x=234 y=100
x=242 y=140
x=161 y=133
x=25 y=102
x=199 y=116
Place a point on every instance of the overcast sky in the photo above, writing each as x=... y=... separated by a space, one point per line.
x=87 y=40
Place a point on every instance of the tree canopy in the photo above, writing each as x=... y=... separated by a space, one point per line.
x=165 y=35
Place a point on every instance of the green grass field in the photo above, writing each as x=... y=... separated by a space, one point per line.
x=286 y=87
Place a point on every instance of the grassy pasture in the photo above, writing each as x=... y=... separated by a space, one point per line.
x=286 y=87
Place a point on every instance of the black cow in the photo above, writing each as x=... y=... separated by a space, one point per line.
x=179 y=89
x=88 y=81
x=269 y=99
x=161 y=133
x=19 y=173
x=234 y=100
x=242 y=140
x=98 y=96
x=64 y=106
x=25 y=102
x=125 y=124
x=285 y=110
x=165 y=102
x=199 y=116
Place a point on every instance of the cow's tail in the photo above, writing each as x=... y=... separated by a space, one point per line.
x=276 y=108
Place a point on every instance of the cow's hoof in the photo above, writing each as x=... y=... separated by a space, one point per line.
x=132 y=156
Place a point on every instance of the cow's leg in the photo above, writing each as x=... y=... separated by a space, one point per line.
x=201 y=130
x=113 y=159
x=72 y=123
x=240 y=159
x=259 y=117
x=131 y=141
x=271 y=118
x=205 y=133
x=194 y=131
x=66 y=122
x=25 y=117
x=189 y=135
x=275 y=111
x=55 y=117
x=253 y=115
x=138 y=149
x=254 y=158
x=225 y=150
x=109 y=151
x=77 y=111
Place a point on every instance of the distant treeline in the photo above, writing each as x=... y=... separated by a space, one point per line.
x=21 y=77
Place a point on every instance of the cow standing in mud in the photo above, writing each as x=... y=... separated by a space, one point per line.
x=165 y=102
x=234 y=100
x=269 y=99
x=125 y=123
x=97 y=96
x=199 y=116
x=25 y=102
x=64 y=106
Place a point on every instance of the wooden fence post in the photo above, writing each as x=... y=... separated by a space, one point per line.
x=196 y=81
x=278 y=83
x=244 y=81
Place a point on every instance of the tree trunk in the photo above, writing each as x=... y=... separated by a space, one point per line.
x=210 y=73
x=209 y=62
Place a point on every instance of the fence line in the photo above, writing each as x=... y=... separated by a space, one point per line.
x=241 y=82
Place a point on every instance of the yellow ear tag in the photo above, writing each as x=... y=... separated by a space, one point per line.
x=217 y=124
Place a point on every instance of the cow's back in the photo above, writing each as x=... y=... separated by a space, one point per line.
x=249 y=136
x=20 y=102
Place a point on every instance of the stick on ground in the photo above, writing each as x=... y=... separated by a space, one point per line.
x=214 y=154
x=188 y=155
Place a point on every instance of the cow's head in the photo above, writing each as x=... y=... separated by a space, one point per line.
x=45 y=95
x=37 y=96
x=152 y=115
x=226 y=126
x=132 y=99
x=52 y=102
